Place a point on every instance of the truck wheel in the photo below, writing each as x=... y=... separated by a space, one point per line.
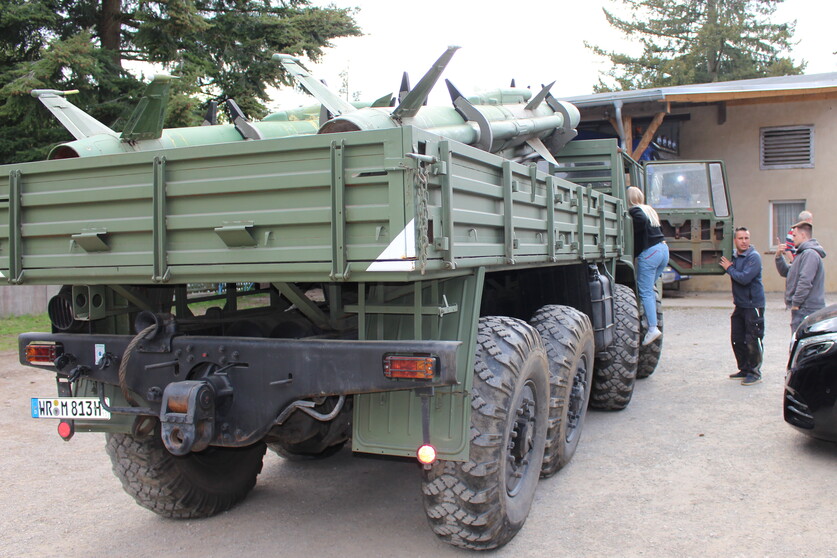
x=482 y=503
x=307 y=439
x=568 y=339
x=188 y=487
x=310 y=450
x=615 y=372
x=649 y=355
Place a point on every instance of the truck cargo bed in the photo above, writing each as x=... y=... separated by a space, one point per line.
x=332 y=207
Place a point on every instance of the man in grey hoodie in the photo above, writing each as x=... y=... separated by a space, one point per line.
x=805 y=283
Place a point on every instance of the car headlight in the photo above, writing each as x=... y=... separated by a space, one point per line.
x=811 y=347
x=826 y=325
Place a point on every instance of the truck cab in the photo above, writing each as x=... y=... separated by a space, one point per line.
x=693 y=202
x=691 y=198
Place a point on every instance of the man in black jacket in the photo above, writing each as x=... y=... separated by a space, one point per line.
x=747 y=321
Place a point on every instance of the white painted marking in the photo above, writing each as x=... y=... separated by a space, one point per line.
x=400 y=254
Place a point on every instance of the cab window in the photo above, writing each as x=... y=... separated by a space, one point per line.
x=679 y=186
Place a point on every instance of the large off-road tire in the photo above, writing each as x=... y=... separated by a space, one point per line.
x=305 y=451
x=615 y=371
x=307 y=439
x=482 y=503
x=188 y=487
x=568 y=339
x=649 y=355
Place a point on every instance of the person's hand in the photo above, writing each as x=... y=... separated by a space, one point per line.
x=725 y=263
x=780 y=246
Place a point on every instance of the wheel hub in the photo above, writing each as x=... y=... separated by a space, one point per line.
x=521 y=440
x=577 y=398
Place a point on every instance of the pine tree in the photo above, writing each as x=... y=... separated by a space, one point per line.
x=219 y=49
x=698 y=41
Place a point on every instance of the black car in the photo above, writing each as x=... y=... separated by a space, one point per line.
x=811 y=382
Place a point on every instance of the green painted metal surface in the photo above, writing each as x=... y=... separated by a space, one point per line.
x=691 y=197
x=390 y=423
x=409 y=220
x=314 y=208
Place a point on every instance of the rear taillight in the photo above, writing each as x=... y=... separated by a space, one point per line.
x=426 y=454
x=43 y=352
x=410 y=367
x=66 y=429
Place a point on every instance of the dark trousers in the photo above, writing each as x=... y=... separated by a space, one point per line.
x=746 y=333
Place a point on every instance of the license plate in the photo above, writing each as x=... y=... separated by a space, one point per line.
x=89 y=408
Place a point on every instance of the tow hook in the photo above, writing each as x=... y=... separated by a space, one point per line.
x=187 y=416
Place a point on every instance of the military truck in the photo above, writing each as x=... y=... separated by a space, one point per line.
x=385 y=286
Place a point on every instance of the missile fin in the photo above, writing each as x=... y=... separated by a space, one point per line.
x=383 y=101
x=470 y=113
x=415 y=99
x=539 y=98
x=563 y=135
x=80 y=124
x=146 y=122
x=536 y=144
x=405 y=87
x=211 y=116
x=328 y=98
x=242 y=125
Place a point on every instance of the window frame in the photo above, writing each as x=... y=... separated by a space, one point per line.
x=771 y=220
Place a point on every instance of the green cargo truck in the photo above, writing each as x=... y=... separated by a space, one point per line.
x=393 y=288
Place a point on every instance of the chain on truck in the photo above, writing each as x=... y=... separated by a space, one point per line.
x=448 y=284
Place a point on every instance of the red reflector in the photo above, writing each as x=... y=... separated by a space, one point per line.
x=426 y=454
x=66 y=429
x=43 y=352
x=411 y=367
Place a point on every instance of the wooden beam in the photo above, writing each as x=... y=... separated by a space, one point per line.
x=628 y=125
x=614 y=124
x=717 y=96
x=722 y=113
x=784 y=99
x=649 y=134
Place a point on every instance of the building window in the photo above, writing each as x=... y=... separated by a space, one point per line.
x=787 y=147
x=783 y=215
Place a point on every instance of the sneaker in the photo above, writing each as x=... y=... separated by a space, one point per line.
x=751 y=379
x=652 y=335
x=738 y=376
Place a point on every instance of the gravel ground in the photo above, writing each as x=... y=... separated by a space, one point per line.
x=697 y=465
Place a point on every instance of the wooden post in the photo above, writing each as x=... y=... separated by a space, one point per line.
x=648 y=135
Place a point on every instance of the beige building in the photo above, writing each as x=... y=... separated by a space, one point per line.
x=777 y=136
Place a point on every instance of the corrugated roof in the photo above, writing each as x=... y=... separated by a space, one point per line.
x=718 y=91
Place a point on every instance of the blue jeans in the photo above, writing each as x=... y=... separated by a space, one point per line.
x=649 y=266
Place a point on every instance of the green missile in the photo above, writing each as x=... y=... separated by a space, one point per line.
x=145 y=132
x=517 y=130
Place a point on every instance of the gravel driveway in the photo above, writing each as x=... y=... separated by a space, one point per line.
x=697 y=465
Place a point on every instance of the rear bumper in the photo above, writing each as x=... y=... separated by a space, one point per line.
x=264 y=375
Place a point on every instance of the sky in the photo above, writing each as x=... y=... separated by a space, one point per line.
x=533 y=42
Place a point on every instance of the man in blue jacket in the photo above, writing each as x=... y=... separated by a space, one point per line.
x=747 y=321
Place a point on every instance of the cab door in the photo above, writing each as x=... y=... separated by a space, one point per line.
x=693 y=202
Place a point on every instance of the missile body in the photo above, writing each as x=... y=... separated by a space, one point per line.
x=104 y=144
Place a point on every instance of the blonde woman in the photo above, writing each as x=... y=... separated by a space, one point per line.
x=651 y=254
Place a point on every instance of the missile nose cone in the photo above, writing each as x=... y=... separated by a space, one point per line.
x=278 y=57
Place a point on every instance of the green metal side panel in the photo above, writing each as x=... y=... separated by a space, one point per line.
x=390 y=423
x=354 y=206
x=214 y=213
